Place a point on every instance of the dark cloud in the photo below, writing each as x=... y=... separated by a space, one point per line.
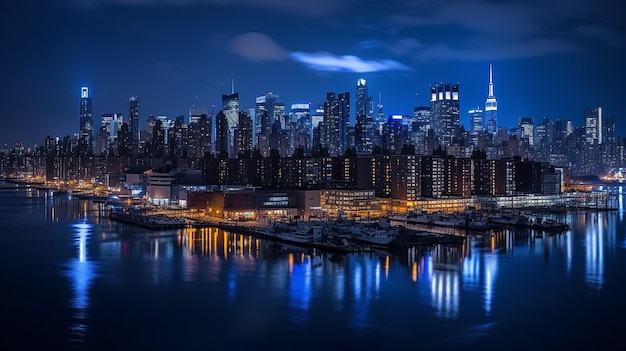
x=306 y=8
x=258 y=47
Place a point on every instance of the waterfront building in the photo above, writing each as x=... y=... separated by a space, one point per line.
x=405 y=182
x=432 y=176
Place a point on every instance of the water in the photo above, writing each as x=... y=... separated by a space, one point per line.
x=73 y=280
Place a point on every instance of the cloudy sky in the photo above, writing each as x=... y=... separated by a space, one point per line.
x=551 y=58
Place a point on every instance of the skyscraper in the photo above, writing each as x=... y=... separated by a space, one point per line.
x=491 y=108
x=476 y=120
x=444 y=112
x=133 y=116
x=344 y=121
x=364 y=123
x=594 y=126
x=85 y=137
x=330 y=134
x=230 y=107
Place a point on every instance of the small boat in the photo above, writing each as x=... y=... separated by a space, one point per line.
x=298 y=232
x=376 y=236
x=550 y=225
x=378 y=233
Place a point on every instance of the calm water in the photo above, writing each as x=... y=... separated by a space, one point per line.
x=103 y=285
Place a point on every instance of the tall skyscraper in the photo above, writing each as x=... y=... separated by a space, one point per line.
x=330 y=135
x=444 y=112
x=85 y=109
x=491 y=108
x=344 y=121
x=230 y=107
x=133 y=116
x=364 y=123
x=243 y=135
x=594 y=127
x=85 y=138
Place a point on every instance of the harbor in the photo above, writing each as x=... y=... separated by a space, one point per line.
x=343 y=236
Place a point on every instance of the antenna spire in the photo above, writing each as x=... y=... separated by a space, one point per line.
x=232 y=89
x=490 y=80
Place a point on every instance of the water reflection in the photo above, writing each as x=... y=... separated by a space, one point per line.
x=351 y=283
x=81 y=272
x=594 y=251
x=445 y=280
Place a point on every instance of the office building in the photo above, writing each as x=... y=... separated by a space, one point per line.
x=444 y=112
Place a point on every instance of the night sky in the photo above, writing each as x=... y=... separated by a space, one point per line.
x=551 y=58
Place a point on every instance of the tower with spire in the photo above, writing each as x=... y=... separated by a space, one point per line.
x=490 y=117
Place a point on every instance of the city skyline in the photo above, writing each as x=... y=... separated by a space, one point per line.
x=173 y=56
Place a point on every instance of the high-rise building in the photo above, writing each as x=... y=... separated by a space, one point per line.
x=444 y=112
x=344 y=121
x=300 y=116
x=196 y=111
x=476 y=120
x=594 y=127
x=221 y=134
x=85 y=109
x=491 y=108
x=330 y=134
x=268 y=111
x=243 y=135
x=527 y=130
x=364 y=122
x=85 y=137
x=230 y=108
x=133 y=116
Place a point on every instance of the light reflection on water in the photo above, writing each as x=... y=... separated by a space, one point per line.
x=81 y=272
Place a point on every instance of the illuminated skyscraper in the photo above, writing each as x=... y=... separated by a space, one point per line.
x=85 y=109
x=444 y=112
x=330 y=135
x=594 y=127
x=476 y=120
x=344 y=121
x=364 y=123
x=491 y=108
x=85 y=137
x=230 y=108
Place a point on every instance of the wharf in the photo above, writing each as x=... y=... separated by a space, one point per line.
x=261 y=232
x=152 y=222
